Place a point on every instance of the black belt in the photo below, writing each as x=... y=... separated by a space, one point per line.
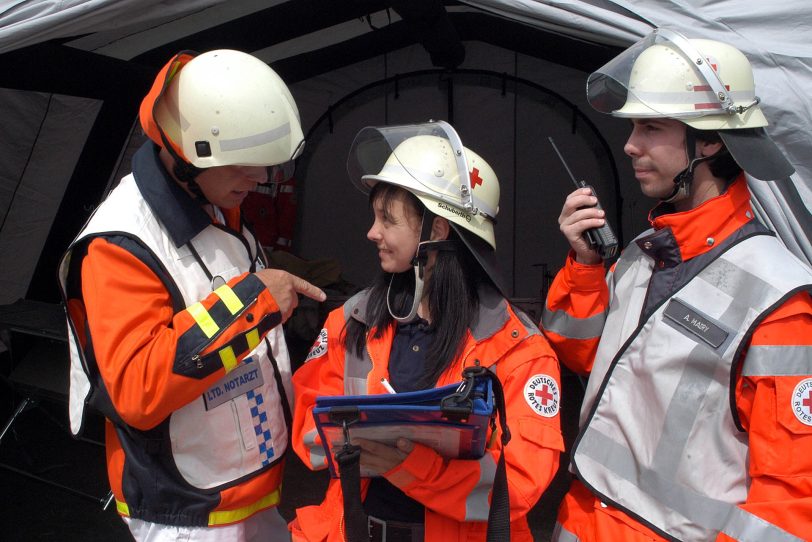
x=394 y=531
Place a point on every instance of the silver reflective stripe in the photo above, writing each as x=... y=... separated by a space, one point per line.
x=682 y=410
x=255 y=140
x=563 y=324
x=354 y=385
x=778 y=361
x=560 y=534
x=743 y=287
x=317 y=456
x=709 y=513
x=745 y=527
x=356 y=368
x=476 y=503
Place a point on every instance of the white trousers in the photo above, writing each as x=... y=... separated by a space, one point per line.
x=265 y=526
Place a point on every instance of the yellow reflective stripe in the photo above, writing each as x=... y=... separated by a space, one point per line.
x=228 y=358
x=224 y=517
x=203 y=319
x=232 y=302
x=253 y=338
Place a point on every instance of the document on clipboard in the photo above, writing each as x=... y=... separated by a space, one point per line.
x=453 y=420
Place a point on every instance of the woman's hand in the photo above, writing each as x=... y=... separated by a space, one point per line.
x=380 y=458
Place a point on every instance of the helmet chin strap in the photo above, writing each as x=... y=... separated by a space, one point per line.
x=187 y=174
x=419 y=265
x=683 y=180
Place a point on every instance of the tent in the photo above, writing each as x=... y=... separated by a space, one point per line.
x=507 y=74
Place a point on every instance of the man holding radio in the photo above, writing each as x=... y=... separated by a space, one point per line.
x=696 y=419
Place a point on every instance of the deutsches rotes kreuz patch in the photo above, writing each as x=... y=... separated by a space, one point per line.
x=802 y=401
x=319 y=347
x=542 y=394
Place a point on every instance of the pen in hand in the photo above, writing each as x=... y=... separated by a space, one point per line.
x=387 y=385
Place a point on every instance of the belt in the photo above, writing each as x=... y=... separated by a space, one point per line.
x=394 y=531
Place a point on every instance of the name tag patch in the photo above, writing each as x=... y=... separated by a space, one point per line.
x=240 y=381
x=695 y=323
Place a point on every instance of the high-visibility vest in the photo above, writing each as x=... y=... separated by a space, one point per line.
x=217 y=447
x=660 y=437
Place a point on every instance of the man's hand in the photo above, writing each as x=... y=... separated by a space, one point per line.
x=380 y=458
x=578 y=215
x=285 y=289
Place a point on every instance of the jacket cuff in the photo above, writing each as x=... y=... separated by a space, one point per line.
x=417 y=466
x=583 y=277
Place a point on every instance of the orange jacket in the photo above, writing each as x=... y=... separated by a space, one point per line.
x=780 y=466
x=440 y=485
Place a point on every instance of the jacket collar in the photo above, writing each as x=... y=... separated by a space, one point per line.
x=181 y=216
x=490 y=318
x=700 y=229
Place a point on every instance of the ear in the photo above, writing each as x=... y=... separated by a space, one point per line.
x=440 y=229
x=705 y=148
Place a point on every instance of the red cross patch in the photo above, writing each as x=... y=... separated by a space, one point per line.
x=475 y=178
x=802 y=401
x=319 y=347
x=541 y=393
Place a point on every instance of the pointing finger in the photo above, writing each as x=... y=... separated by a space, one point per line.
x=303 y=287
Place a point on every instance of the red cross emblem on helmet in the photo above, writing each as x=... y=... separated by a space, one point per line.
x=475 y=178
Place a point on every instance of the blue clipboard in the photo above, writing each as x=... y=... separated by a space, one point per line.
x=453 y=420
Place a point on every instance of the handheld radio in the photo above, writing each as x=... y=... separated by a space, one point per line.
x=601 y=239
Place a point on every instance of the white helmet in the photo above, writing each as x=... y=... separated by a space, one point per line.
x=222 y=108
x=461 y=188
x=706 y=84
x=452 y=181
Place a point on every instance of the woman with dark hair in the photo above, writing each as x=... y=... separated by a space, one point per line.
x=436 y=308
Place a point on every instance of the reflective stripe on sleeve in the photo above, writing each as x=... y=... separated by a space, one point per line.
x=476 y=503
x=203 y=319
x=560 y=534
x=230 y=353
x=563 y=324
x=318 y=458
x=778 y=361
x=232 y=302
x=227 y=358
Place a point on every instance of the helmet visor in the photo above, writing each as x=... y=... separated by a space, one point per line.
x=426 y=159
x=282 y=173
x=662 y=75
